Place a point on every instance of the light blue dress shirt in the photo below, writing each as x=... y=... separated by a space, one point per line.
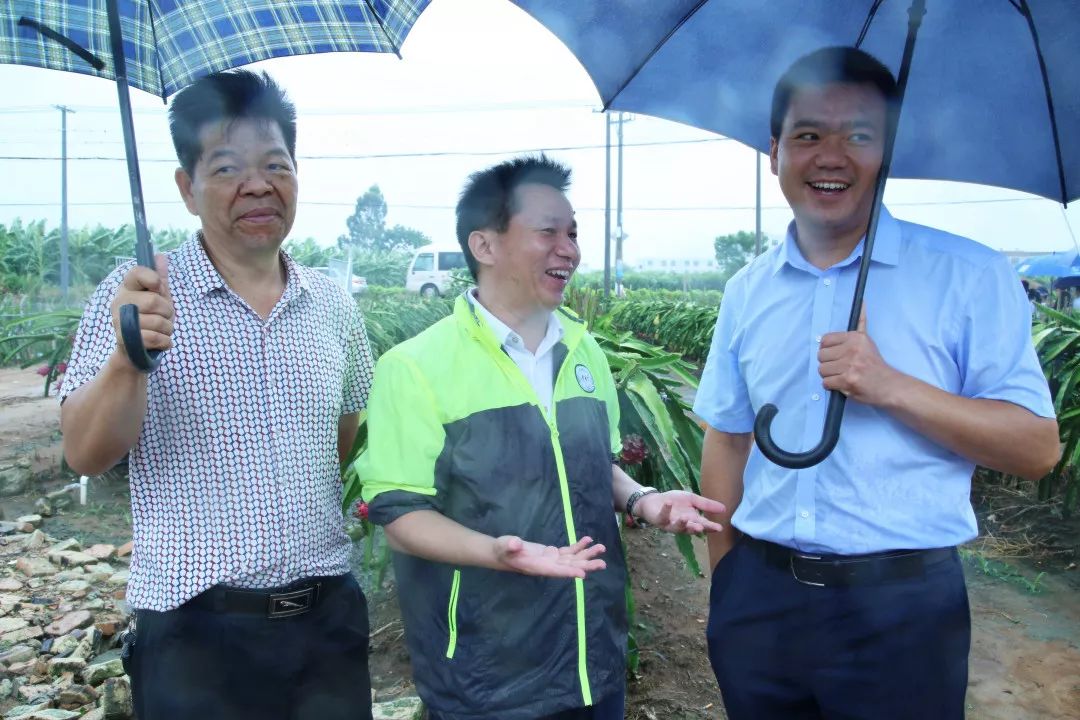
x=941 y=308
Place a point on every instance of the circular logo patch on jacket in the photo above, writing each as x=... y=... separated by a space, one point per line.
x=584 y=378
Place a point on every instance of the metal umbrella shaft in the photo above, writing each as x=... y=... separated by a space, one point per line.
x=834 y=414
x=144 y=250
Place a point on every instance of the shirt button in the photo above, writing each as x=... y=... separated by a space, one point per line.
x=828 y=282
x=815 y=396
x=804 y=514
x=817 y=339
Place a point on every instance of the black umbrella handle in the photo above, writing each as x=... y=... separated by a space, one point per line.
x=797 y=461
x=143 y=359
x=830 y=433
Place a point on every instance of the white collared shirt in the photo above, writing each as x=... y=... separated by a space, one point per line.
x=538 y=368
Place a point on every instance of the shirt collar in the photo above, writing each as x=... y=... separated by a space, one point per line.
x=296 y=279
x=507 y=336
x=204 y=278
x=886 y=247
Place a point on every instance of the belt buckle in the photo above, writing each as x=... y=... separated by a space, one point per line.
x=297 y=602
x=791 y=566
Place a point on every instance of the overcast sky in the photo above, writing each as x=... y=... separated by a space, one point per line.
x=478 y=82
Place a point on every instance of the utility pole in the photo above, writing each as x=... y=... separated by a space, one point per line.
x=757 y=206
x=607 y=205
x=64 y=267
x=619 y=235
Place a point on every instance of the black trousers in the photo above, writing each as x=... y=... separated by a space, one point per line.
x=206 y=662
x=891 y=650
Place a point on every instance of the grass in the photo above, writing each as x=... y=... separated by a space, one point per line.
x=1003 y=571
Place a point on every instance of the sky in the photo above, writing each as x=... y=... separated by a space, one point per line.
x=479 y=81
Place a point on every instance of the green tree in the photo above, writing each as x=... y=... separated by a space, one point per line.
x=368 y=231
x=733 y=251
x=367 y=224
x=401 y=238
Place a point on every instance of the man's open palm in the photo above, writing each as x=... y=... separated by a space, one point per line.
x=529 y=558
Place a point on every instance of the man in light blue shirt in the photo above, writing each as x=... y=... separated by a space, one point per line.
x=839 y=592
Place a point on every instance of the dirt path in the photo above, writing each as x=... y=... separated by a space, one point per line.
x=29 y=423
x=1025 y=658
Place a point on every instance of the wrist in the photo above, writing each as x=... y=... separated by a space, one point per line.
x=119 y=365
x=633 y=505
x=895 y=391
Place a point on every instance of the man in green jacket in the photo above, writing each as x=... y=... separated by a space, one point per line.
x=489 y=463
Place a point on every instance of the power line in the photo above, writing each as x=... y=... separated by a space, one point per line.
x=390 y=156
x=345 y=112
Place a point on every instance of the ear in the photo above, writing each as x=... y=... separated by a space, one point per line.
x=774 y=149
x=183 y=182
x=482 y=246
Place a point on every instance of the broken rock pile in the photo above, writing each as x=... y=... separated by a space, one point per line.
x=62 y=610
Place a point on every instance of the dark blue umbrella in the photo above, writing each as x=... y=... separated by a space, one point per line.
x=162 y=45
x=984 y=76
x=1059 y=264
x=993 y=97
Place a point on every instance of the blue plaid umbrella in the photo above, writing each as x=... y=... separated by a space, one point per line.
x=170 y=43
x=162 y=45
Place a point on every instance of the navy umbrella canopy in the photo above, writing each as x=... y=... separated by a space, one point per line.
x=978 y=103
x=990 y=95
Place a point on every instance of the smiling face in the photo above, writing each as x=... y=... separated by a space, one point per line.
x=243 y=187
x=531 y=263
x=827 y=159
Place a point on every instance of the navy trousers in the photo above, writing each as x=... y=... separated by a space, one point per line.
x=201 y=663
x=893 y=650
x=610 y=708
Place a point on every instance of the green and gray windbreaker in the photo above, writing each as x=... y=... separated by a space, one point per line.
x=455 y=427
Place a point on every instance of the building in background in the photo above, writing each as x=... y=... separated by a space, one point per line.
x=681 y=265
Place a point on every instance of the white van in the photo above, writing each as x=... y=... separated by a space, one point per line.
x=429 y=271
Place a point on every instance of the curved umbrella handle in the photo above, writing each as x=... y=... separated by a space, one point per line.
x=797 y=461
x=143 y=359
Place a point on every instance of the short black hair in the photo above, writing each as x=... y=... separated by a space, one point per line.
x=228 y=96
x=828 y=66
x=488 y=200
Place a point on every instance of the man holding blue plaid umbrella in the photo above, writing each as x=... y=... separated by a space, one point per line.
x=244 y=604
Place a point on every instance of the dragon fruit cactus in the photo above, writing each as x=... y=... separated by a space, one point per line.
x=634 y=450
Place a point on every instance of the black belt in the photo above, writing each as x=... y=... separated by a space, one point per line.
x=847 y=570
x=286 y=601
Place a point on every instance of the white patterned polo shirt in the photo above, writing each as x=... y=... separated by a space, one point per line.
x=235 y=476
